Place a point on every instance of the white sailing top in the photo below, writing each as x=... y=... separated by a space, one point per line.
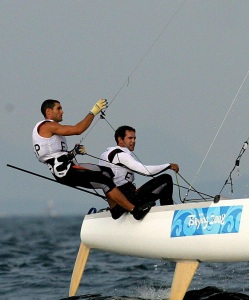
x=123 y=165
x=51 y=151
x=46 y=148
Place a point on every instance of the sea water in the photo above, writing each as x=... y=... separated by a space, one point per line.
x=37 y=256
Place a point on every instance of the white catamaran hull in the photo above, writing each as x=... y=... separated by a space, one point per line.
x=185 y=233
x=202 y=231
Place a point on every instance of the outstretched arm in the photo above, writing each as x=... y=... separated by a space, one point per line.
x=66 y=130
x=135 y=166
x=48 y=129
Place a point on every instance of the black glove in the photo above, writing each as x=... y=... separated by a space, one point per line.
x=117 y=211
x=78 y=149
x=140 y=211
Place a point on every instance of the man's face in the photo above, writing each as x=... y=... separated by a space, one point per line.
x=55 y=113
x=129 y=140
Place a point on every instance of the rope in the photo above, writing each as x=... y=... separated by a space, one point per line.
x=95 y=123
x=177 y=184
x=179 y=190
x=147 y=52
x=237 y=161
x=126 y=82
x=191 y=188
x=50 y=179
x=235 y=98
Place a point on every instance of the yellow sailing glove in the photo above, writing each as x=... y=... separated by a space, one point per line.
x=78 y=149
x=100 y=105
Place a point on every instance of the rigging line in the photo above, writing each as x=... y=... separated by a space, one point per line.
x=151 y=175
x=50 y=179
x=237 y=162
x=235 y=98
x=190 y=188
x=103 y=117
x=148 y=51
x=90 y=129
x=176 y=184
x=139 y=63
x=95 y=190
x=179 y=190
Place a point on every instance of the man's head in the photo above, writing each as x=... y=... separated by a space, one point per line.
x=125 y=136
x=52 y=110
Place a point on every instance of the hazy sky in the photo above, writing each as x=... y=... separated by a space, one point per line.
x=185 y=60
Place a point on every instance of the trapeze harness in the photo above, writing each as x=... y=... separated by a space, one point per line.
x=54 y=153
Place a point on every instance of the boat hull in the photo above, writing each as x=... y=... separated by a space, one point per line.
x=203 y=231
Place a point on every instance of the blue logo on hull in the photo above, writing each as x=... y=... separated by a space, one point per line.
x=208 y=220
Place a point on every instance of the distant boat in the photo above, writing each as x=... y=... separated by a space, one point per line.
x=187 y=233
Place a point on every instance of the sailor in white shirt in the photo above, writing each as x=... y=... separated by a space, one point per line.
x=120 y=159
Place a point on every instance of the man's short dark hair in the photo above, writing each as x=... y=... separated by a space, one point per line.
x=120 y=132
x=49 y=103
